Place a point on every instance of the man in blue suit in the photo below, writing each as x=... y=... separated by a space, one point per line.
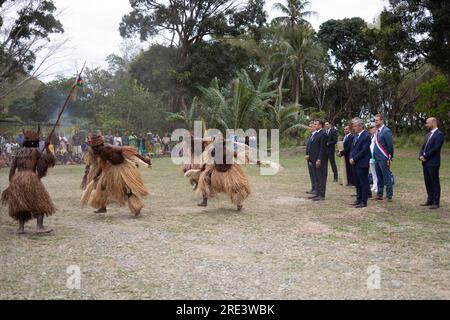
x=311 y=170
x=348 y=143
x=318 y=159
x=383 y=154
x=359 y=159
x=430 y=155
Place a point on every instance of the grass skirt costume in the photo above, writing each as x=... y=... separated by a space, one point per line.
x=231 y=181
x=26 y=196
x=214 y=178
x=118 y=182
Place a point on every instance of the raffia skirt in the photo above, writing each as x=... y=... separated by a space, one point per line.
x=118 y=183
x=26 y=197
x=233 y=182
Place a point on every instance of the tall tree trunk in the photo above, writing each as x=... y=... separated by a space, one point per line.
x=280 y=88
x=176 y=100
x=297 y=89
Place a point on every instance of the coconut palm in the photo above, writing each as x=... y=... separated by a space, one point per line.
x=297 y=49
x=294 y=13
x=239 y=105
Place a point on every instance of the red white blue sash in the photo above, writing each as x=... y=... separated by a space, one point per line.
x=380 y=147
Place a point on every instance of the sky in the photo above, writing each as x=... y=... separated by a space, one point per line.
x=91 y=27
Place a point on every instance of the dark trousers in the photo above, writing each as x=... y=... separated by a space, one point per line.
x=349 y=168
x=321 y=175
x=332 y=159
x=312 y=176
x=432 y=184
x=384 y=178
x=362 y=184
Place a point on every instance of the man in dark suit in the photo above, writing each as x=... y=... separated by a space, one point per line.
x=332 y=139
x=311 y=170
x=318 y=159
x=359 y=159
x=383 y=154
x=430 y=155
x=348 y=143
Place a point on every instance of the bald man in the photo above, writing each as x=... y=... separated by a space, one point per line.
x=430 y=156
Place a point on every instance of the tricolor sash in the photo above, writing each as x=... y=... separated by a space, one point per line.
x=380 y=147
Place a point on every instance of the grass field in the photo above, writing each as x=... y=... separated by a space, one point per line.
x=281 y=246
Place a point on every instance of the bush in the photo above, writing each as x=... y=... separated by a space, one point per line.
x=413 y=140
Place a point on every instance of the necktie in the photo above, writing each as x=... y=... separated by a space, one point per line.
x=428 y=140
x=356 y=139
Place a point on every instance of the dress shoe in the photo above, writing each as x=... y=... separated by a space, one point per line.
x=361 y=205
x=355 y=203
x=434 y=207
x=318 y=199
x=378 y=198
x=313 y=197
x=426 y=204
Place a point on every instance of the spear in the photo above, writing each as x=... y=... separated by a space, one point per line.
x=72 y=89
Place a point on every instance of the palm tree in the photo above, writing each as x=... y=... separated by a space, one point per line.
x=241 y=104
x=294 y=13
x=297 y=49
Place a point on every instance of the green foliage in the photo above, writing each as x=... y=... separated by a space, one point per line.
x=33 y=21
x=226 y=66
x=409 y=140
x=294 y=13
x=348 y=43
x=421 y=31
x=434 y=99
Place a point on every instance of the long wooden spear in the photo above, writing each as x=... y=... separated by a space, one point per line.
x=72 y=89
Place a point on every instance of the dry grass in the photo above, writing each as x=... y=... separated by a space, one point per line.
x=281 y=246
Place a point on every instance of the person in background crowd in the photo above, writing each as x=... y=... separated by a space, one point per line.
x=63 y=143
x=373 y=169
x=359 y=159
x=109 y=138
x=55 y=141
x=156 y=144
x=141 y=144
x=14 y=148
x=76 y=142
x=8 y=148
x=166 y=144
x=125 y=139
x=383 y=154
x=42 y=144
x=20 y=139
x=133 y=140
x=85 y=146
x=332 y=139
x=347 y=140
x=118 y=140
x=430 y=156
